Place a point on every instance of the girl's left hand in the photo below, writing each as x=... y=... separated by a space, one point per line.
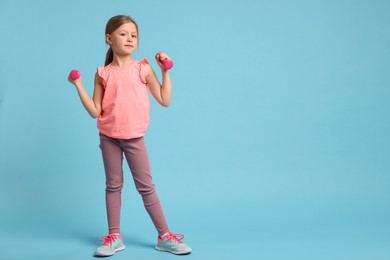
x=161 y=56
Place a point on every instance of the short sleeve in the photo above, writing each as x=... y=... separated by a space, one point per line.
x=142 y=67
x=102 y=72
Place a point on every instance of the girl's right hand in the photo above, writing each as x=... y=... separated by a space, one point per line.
x=75 y=81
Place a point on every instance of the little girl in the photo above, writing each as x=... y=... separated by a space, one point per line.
x=121 y=104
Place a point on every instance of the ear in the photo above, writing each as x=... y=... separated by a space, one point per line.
x=108 y=39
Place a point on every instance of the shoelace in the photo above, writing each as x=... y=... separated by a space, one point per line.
x=174 y=237
x=108 y=239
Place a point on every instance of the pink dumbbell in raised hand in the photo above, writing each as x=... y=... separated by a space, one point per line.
x=74 y=74
x=167 y=63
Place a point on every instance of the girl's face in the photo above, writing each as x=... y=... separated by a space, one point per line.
x=124 y=40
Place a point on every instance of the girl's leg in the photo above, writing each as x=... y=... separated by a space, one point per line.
x=112 y=159
x=137 y=158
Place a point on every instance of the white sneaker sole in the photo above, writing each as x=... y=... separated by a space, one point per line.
x=116 y=250
x=175 y=253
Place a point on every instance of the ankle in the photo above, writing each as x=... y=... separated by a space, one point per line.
x=164 y=234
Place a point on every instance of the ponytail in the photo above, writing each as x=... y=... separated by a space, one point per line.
x=109 y=56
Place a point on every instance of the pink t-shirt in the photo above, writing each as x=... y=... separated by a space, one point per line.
x=125 y=104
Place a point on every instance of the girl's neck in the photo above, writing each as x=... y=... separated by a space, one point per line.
x=122 y=62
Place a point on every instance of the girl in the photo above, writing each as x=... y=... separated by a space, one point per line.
x=121 y=103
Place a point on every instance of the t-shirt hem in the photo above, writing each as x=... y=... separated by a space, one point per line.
x=121 y=136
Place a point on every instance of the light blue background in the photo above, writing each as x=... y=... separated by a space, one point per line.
x=276 y=145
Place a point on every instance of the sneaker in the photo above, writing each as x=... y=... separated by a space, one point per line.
x=172 y=243
x=112 y=244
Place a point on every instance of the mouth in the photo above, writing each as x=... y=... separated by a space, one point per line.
x=129 y=46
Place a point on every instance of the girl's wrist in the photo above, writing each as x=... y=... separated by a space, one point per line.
x=78 y=83
x=164 y=71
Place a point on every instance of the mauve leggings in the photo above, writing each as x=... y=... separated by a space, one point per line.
x=137 y=159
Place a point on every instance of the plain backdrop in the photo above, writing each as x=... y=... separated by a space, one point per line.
x=276 y=145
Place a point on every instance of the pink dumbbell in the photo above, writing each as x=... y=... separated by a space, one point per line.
x=168 y=64
x=74 y=74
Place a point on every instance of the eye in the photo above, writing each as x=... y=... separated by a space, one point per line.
x=123 y=34
x=134 y=36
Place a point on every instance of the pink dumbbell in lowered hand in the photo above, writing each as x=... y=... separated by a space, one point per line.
x=74 y=74
x=167 y=63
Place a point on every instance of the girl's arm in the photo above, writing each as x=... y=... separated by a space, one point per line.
x=94 y=105
x=161 y=92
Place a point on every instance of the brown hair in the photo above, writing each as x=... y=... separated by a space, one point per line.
x=113 y=24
